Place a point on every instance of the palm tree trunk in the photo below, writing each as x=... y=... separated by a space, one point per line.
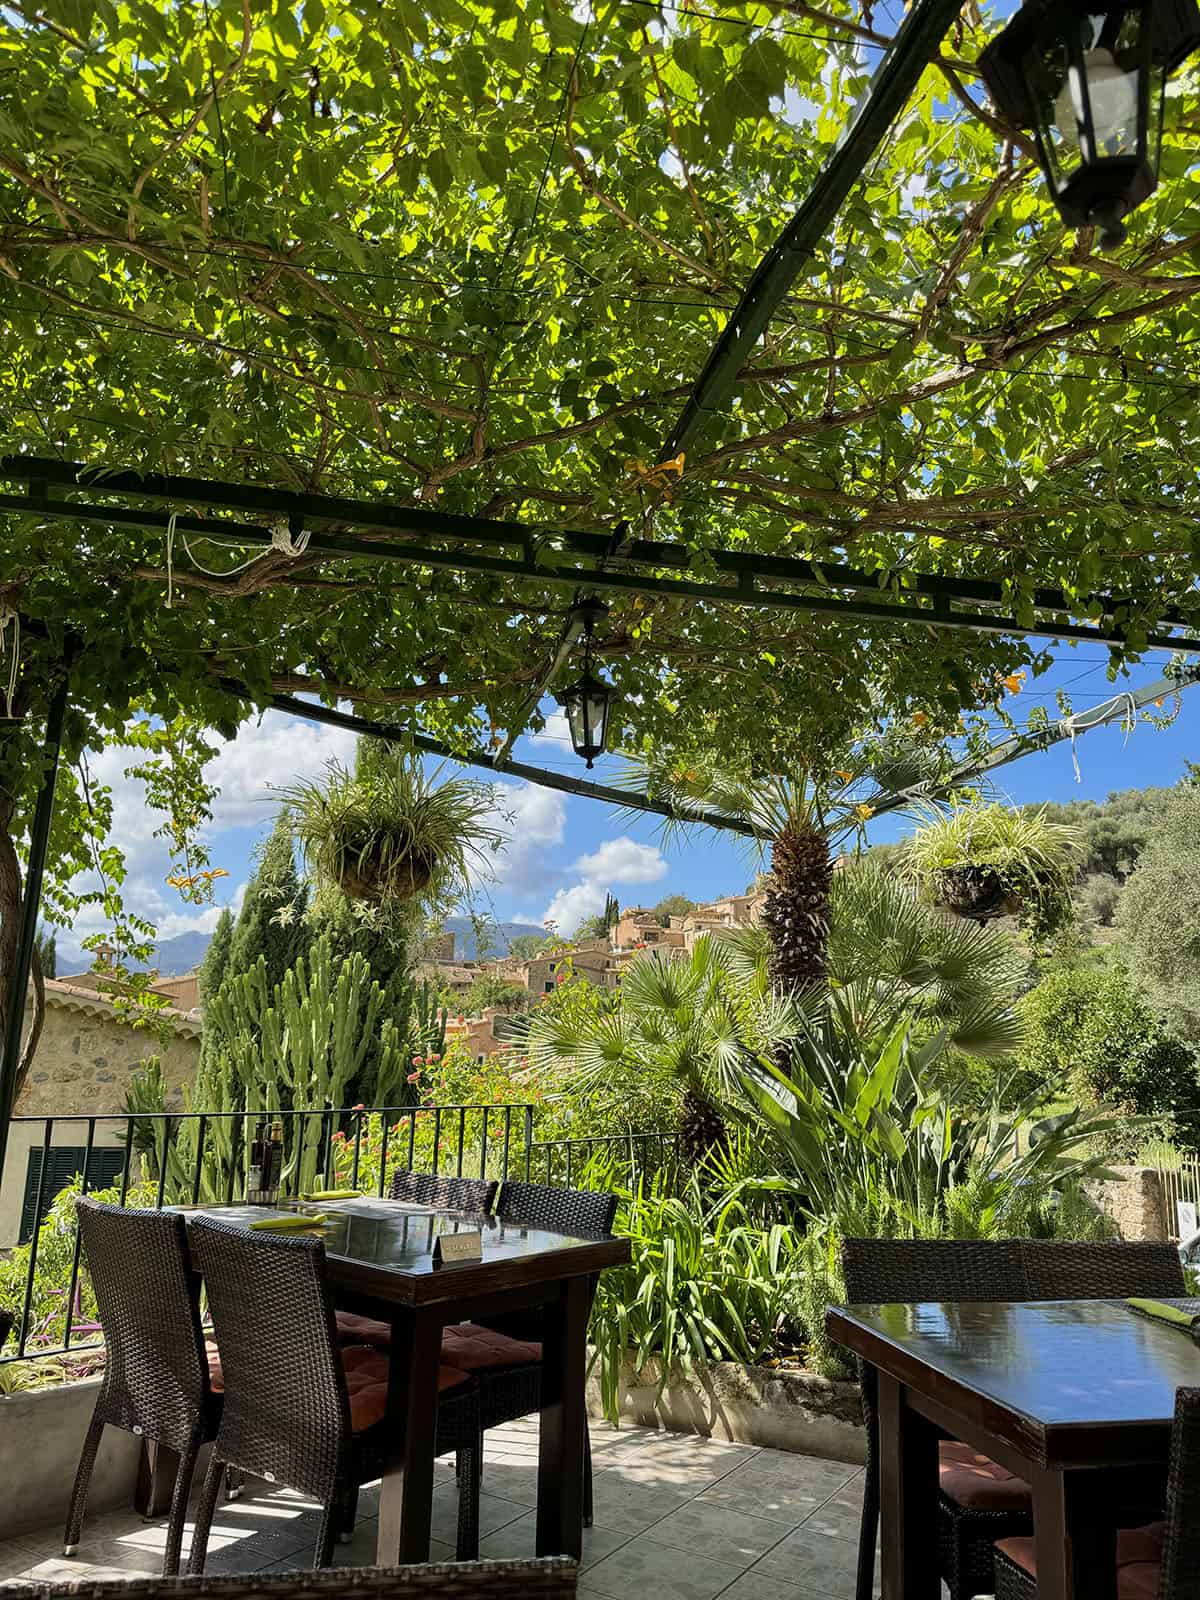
x=796 y=908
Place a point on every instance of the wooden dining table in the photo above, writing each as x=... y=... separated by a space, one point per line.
x=381 y=1263
x=1077 y=1397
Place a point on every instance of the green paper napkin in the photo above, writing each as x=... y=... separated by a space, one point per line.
x=1164 y=1313
x=296 y=1224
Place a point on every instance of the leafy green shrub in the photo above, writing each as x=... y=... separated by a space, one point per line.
x=1090 y=1034
x=55 y=1255
x=705 y=1283
x=864 y=1137
x=1156 y=916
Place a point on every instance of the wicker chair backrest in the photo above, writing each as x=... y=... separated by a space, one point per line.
x=6 y=1322
x=580 y=1213
x=1180 y=1576
x=444 y=1193
x=550 y=1579
x=147 y=1296
x=880 y=1271
x=1067 y=1269
x=287 y=1414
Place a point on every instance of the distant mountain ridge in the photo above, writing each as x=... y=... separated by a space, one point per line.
x=185 y=951
x=501 y=933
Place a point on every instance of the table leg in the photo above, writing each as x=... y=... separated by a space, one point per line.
x=563 y=1420
x=1075 y=1536
x=406 y=1493
x=908 y=1498
x=157 y=1467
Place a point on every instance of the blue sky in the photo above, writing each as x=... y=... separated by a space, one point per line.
x=565 y=853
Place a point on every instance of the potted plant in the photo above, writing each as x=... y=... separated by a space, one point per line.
x=985 y=861
x=389 y=832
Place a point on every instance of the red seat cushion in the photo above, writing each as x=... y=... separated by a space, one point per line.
x=216 y=1377
x=474 y=1349
x=367 y=1384
x=1139 y=1557
x=353 y=1329
x=976 y=1482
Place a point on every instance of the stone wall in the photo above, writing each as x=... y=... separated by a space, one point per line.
x=82 y=1069
x=1136 y=1202
x=85 y=1057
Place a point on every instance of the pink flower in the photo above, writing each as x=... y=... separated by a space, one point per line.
x=412 y=1077
x=416 y=1061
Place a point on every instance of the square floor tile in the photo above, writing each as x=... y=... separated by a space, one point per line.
x=621 y=1502
x=642 y=1567
x=518 y=1542
x=715 y=1531
x=768 y=1497
x=814 y=1561
x=840 y=1517
x=494 y=1513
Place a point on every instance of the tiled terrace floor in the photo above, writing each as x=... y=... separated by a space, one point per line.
x=677 y=1518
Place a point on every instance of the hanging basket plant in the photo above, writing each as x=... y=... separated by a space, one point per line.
x=388 y=832
x=975 y=891
x=988 y=861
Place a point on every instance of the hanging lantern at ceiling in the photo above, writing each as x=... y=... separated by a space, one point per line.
x=1090 y=80
x=588 y=700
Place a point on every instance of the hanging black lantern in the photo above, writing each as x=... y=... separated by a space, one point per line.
x=1090 y=81
x=588 y=700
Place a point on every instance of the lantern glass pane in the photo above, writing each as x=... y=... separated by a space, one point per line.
x=574 y=707
x=597 y=715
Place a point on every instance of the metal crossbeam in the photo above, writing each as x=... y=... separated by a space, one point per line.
x=1113 y=709
x=755 y=581
x=894 y=81
x=631 y=799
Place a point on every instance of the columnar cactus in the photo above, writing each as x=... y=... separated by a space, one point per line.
x=298 y=1048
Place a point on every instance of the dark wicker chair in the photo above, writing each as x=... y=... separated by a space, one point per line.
x=298 y=1411
x=6 y=1322
x=423 y=1189
x=505 y=1354
x=581 y=1213
x=157 y=1381
x=880 y=1271
x=442 y=1192
x=1168 y=1552
x=550 y=1579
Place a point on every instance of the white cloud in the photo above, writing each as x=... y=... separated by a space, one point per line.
x=271 y=755
x=556 y=731
x=620 y=860
x=570 y=907
x=532 y=820
x=264 y=754
x=623 y=860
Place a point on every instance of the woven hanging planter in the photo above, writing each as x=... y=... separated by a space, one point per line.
x=368 y=876
x=976 y=892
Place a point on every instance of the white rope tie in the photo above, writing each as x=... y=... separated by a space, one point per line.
x=7 y=616
x=283 y=540
x=1083 y=721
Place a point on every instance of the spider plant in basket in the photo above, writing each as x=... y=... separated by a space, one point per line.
x=985 y=861
x=390 y=832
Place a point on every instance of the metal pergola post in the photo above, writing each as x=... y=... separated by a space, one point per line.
x=18 y=978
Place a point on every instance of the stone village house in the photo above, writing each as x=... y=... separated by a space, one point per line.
x=82 y=1069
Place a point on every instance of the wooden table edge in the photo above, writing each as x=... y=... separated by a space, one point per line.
x=1027 y=1441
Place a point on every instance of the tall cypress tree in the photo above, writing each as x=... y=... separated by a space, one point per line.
x=272 y=921
x=215 y=966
